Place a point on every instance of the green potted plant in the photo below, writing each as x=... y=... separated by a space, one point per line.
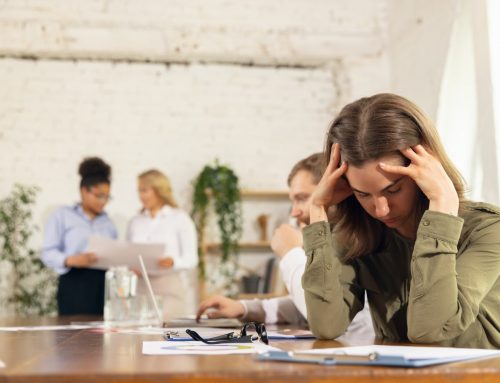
x=27 y=287
x=217 y=186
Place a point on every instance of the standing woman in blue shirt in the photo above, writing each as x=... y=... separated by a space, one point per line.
x=81 y=289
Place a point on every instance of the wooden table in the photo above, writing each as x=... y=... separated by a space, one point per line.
x=85 y=356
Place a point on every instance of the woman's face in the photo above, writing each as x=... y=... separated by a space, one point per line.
x=95 y=197
x=148 y=197
x=389 y=198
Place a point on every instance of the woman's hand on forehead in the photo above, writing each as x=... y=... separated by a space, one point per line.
x=430 y=176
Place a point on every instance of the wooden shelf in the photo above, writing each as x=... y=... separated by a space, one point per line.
x=258 y=246
x=258 y=193
x=254 y=246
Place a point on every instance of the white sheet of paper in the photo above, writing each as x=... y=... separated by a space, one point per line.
x=45 y=328
x=410 y=352
x=112 y=252
x=200 y=348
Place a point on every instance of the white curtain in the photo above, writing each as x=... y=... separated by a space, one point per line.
x=465 y=113
x=493 y=10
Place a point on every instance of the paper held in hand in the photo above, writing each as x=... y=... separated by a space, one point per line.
x=111 y=252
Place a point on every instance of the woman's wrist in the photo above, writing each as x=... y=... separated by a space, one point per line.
x=447 y=205
x=317 y=213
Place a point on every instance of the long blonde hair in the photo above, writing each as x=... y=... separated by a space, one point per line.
x=366 y=130
x=160 y=184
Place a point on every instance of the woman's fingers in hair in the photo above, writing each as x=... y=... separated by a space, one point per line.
x=413 y=153
x=416 y=154
x=396 y=169
x=422 y=150
x=340 y=170
x=334 y=157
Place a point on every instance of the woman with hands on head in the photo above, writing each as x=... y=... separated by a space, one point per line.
x=428 y=259
x=80 y=289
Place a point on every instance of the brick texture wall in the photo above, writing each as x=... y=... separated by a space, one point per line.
x=174 y=85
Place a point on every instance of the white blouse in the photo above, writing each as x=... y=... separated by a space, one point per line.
x=172 y=227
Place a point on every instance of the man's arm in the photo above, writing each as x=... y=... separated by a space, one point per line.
x=274 y=310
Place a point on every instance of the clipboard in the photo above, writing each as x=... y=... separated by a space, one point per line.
x=331 y=360
x=383 y=356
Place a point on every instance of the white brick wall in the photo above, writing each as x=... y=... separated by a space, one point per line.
x=137 y=116
x=297 y=32
x=76 y=81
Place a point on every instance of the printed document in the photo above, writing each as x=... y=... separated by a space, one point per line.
x=112 y=252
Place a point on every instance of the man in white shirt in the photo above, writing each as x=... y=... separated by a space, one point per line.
x=287 y=245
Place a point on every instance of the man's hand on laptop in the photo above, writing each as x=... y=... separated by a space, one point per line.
x=219 y=306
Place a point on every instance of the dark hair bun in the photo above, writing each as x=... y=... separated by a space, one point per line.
x=94 y=170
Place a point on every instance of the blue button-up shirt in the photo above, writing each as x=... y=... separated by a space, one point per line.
x=67 y=233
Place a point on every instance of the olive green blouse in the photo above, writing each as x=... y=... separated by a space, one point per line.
x=442 y=288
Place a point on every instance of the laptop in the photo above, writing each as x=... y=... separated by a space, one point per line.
x=189 y=321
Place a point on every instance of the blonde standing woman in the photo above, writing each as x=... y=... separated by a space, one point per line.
x=161 y=221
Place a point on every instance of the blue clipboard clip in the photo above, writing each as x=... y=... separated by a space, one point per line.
x=372 y=359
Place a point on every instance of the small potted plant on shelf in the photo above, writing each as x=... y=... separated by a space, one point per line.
x=217 y=186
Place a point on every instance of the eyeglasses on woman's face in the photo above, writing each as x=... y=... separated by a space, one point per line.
x=102 y=197
x=100 y=192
